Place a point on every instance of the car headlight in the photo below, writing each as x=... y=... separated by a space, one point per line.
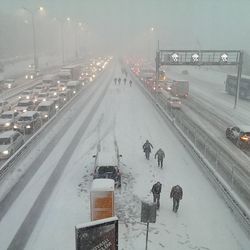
x=26 y=77
x=6 y=152
x=64 y=99
x=7 y=124
x=28 y=126
x=27 y=97
x=57 y=107
x=15 y=126
x=74 y=91
x=19 y=97
x=25 y=110
x=31 y=77
x=46 y=116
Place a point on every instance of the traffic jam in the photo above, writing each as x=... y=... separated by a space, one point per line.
x=28 y=110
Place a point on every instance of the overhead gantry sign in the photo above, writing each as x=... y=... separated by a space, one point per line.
x=201 y=58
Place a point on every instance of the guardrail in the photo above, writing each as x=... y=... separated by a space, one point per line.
x=215 y=160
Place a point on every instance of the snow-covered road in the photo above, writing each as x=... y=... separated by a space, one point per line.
x=60 y=187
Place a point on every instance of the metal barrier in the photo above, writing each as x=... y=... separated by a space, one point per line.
x=219 y=165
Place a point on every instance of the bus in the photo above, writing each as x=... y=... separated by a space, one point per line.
x=231 y=85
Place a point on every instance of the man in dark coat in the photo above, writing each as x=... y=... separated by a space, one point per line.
x=160 y=156
x=147 y=148
x=176 y=194
x=156 y=190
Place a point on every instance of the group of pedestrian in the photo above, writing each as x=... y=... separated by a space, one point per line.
x=176 y=194
x=119 y=80
x=160 y=155
x=176 y=191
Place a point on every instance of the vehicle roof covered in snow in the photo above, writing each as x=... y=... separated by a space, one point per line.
x=103 y=185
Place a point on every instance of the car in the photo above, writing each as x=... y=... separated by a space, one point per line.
x=107 y=166
x=4 y=106
x=53 y=92
x=7 y=120
x=24 y=106
x=38 y=88
x=46 y=109
x=66 y=95
x=174 y=102
x=58 y=100
x=26 y=95
x=28 y=122
x=239 y=135
x=9 y=83
x=10 y=142
x=41 y=97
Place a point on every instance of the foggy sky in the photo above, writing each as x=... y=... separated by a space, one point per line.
x=118 y=27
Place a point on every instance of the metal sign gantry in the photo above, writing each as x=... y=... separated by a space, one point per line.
x=201 y=58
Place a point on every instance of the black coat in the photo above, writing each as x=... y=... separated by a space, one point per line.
x=147 y=147
x=156 y=189
x=176 y=192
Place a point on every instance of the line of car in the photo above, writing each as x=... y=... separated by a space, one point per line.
x=32 y=110
x=34 y=107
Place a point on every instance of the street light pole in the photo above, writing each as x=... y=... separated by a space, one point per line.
x=62 y=42
x=34 y=37
x=76 y=49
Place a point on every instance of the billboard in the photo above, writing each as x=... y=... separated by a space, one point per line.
x=97 y=235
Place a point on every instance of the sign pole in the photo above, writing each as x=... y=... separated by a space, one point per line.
x=238 y=79
x=147 y=236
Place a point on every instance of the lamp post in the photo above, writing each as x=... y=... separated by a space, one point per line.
x=62 y=22
x=34 y=35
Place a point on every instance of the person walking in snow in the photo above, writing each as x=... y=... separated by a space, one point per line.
x=125 y=80
x=160 y=156
x=130 y=83
x=119 y=80
x=156 y=190
x=176 y=193
x=147 y=148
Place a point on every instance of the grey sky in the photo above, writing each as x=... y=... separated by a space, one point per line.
x=121 y=26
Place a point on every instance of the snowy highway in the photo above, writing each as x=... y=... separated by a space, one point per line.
x=47 y=202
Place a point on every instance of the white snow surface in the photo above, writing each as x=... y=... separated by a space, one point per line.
x=203 y=220
x=102 y=185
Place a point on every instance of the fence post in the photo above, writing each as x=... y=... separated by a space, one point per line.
x=232 y=177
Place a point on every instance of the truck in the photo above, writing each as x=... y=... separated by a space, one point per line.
x=70 y=73
x=244 y=88
x=102 y=199
x=180 y=88
x=50 y=79
x=147 y=75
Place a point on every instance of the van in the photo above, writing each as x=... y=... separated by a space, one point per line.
x=46 y=109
